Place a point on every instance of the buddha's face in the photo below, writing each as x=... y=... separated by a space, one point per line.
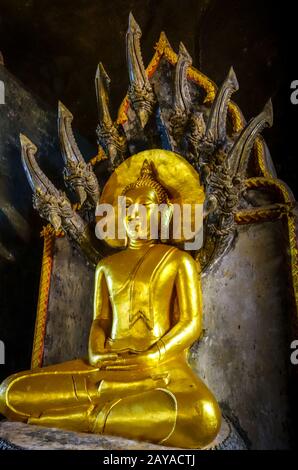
x=140 y=205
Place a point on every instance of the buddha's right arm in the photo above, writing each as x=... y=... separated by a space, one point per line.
x=101 y=321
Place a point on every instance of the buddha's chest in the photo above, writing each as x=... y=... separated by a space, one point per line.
x=137 y=274
x=140 y=296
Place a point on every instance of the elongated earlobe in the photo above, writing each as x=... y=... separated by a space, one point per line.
x=165 y=220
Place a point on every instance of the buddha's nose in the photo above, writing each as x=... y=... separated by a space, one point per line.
x=134 y=214
x=133 y=217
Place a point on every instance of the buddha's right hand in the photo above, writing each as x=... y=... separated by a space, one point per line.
x=102 y=359
x=98 y=353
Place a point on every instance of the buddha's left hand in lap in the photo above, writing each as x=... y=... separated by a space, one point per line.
x=132 y=360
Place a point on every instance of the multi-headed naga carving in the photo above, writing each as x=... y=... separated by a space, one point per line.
x=215 y=137
x=223 y=171
x=53 y=205
x=108 y=133
x=78 y=174
x=182 y=100
x=140 y=92
x=192 y=119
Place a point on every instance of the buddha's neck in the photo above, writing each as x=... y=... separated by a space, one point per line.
x=140 y=244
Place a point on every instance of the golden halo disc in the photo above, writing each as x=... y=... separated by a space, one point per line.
x=174 y=173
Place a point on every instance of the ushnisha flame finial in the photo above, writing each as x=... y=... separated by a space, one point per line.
x=140 y=92
x=148 y=179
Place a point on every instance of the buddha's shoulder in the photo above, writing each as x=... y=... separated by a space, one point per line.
x=172 y=251
x=181 y=256
x=110 y=261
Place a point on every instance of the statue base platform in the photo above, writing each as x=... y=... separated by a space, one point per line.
x=14 y=435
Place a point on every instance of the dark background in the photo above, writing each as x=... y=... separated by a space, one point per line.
x=53 y=47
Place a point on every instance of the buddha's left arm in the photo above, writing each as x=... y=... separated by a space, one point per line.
x=189 y=326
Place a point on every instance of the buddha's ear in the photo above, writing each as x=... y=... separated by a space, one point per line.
x=165 y=220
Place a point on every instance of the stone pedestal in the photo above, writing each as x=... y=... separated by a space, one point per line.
x=15 y=435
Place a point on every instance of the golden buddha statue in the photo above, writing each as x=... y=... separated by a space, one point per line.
x=136 y=381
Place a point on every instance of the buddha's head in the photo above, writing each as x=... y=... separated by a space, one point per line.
x=143 y=197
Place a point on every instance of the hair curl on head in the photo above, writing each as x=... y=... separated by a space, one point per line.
x=147 y=179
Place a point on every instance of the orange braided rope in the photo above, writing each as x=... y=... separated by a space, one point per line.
x=49 y=235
